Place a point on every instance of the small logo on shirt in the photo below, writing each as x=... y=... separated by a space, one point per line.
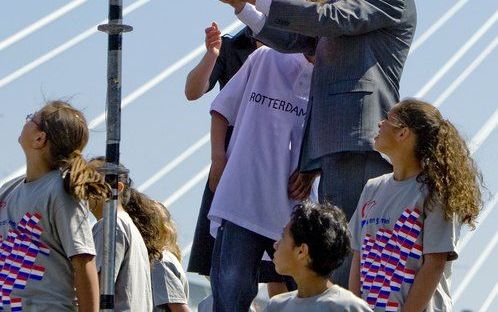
x=369 y=204
x=2 y=204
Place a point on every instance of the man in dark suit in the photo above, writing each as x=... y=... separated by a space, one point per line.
x=360 y=48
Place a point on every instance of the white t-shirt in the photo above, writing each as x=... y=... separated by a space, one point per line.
x=392 y=231
x=266 y=102
x=333 y=299
x=133 y=290
x=169 y=282
x=41 y=227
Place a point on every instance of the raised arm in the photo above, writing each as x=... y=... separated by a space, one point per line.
x=287 y=42
x=329 y=18
x=282 y=41
x=334 y=18
x=198 y=79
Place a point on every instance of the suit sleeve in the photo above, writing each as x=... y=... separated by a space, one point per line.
x=334 y=18
x=287 y=42
x=277 y=39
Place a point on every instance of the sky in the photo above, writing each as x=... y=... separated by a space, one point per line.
x=51 y=49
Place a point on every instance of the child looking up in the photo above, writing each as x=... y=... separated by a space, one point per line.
x=407 y=223
x=47 y=250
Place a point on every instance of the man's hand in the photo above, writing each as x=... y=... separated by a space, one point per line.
x=299 y=186
x=213 y=39
x=217 y=167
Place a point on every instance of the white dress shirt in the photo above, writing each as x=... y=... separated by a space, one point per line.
x=255 y=16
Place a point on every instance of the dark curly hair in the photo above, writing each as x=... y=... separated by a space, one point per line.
x=323 y=227
x=448 y=170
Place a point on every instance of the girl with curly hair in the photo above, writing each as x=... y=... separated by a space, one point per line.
x=169 y=282
x=407 y=223
x=47 y=250
x=157 y=229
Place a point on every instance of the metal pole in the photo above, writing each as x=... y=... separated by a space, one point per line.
x=114 y=29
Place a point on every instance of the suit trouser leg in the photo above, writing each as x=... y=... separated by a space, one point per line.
x=343 y=177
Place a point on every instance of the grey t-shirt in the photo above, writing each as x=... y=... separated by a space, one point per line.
x=392 y=231
x=41 y=227
x=333 y=299
x=132 y=269
x=169 y=282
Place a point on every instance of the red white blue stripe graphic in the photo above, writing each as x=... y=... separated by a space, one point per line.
x=383 y=260
x=18 y=253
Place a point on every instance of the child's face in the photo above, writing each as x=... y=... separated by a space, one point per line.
x=286 y=253
x=31 y=135
x=389 y=128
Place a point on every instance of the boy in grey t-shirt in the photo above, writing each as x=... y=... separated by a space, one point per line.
x=313 y=244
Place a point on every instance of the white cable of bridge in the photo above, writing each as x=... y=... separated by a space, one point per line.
x=458 y=55
x=466 y=73
x=489 y=300
x=42 y=22
x=18 y=73
x=476 y=266
x=436 y=25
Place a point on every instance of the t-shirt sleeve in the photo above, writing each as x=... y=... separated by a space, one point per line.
x=72 y=224
x=121 y=246
x=228 y=101
x=440 y=235
x=167 y=286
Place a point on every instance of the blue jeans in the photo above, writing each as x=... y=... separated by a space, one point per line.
x=235 y=267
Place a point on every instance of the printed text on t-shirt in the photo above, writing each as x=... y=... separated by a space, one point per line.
x=276 y=104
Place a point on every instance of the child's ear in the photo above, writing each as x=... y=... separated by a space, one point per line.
x=303 y=251
x=40 y=140
x=120 y=187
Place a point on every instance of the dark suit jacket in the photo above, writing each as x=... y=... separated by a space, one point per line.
x=360 y=47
